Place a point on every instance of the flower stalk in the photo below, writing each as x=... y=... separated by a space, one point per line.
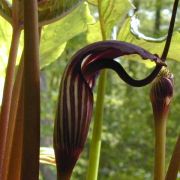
x=161 y=95
x=95 y=146
x=160 y=146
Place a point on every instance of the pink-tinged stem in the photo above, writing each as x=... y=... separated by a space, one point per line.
x=7 y=95
x=174 y=165
x=31 y=129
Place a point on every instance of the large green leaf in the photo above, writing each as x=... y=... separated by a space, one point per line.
x=48 y=10
x=94 y=2
x=55 y=36
x=5 y=38
x=112 y=13
x=5 y=41
x=94 y=33
x=54 y=9
x=5 y=10
x=152 y=45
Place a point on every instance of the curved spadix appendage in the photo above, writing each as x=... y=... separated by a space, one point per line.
x=75 y=102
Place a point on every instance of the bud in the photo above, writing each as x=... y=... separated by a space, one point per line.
x=161 y=94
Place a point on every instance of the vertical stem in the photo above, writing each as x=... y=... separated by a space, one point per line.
x=174 y=165
x=12 y=123
x=101 y=19
x=160 y=124
x=31 y=129
x=7 y=94
x=15 y=156
x=95 y=147
x=14 y=143
x=160 y=149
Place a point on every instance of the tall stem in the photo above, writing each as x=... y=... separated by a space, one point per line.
x=31 y=129
x=160 y=148
x=95 y=147
x=7 y=94
x=174 y=165
x=14 y=143
x=160 y=124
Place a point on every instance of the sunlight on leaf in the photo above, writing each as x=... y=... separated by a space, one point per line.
x=94 y=2
x=93 y=33
x=55 y=36
x=49 y=54
x=5 y=42
x=113 y=14
x=155 y=47
x=47 y=156
x=53 y=10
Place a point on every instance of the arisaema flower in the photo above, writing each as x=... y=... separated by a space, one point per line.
x=75 y=103
x=161 y=95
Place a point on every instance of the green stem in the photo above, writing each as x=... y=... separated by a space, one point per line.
x=95 y=147
x=160 y=149
x=97 y=129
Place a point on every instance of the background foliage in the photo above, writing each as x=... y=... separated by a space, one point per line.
x=127 y=146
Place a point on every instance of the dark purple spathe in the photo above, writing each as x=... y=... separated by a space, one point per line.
x=75 y=104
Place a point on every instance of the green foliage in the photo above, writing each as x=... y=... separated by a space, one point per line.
x=5 y=40
x=154 y=46
x=55 y=36
x=112 y=13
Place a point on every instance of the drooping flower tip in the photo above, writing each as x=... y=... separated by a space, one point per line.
x=161 y=93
